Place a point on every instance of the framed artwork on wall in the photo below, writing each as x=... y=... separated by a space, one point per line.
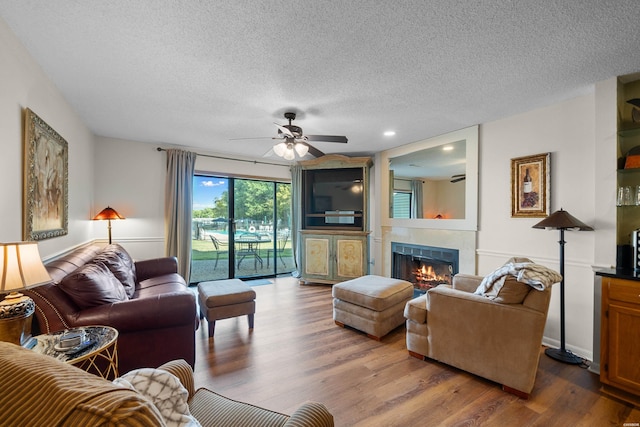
x=46 y=181
x=530 y=195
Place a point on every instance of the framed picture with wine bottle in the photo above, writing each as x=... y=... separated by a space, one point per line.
x=530 y=195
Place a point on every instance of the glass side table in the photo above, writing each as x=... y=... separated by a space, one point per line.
x=100 y=358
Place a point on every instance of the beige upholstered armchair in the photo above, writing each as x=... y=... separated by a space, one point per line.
x=496 y=336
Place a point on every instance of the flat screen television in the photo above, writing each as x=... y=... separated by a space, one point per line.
x=333 y=198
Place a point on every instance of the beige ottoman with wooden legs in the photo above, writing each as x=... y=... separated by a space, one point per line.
x=371 y=304
x=222 y=299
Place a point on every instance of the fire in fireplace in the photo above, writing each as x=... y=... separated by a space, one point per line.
x=424 y=266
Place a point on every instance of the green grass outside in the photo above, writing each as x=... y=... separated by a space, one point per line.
x=204 y=250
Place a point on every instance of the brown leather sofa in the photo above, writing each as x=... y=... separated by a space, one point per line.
x=148 y=302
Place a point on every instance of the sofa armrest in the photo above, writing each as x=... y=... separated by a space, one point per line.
x=181 y=369
x=311 y=414
x=177 y=308
x=149 y=268
x=466 y=282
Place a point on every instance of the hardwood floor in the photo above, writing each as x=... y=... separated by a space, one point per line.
x=297 y=353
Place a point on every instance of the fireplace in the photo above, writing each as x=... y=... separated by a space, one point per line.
x=423 y=266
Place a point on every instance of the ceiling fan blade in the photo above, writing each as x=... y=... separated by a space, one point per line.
x=312 y=150
x=269 y=153
x=257 y=137
x=285 y=131
x=327 y=138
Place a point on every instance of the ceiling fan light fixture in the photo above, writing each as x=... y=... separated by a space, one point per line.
x=289 y=153
x=280 y=148
x=301 y=149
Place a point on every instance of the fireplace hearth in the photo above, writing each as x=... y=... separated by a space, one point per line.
x=424 y=266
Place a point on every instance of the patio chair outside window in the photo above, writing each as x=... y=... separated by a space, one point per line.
x=217 y=244
x=283 y=238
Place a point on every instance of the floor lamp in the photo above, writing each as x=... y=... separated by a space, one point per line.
x=562 y=220
x=108 y=214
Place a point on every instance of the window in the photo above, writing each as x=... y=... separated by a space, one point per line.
x=241 y=228
x=402 y=204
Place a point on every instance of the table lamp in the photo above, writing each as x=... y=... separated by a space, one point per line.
x=20 y=267
x=562 y=220
x=108 y=214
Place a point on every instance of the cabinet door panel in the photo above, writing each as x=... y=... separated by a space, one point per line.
x=316 y=252
x=350 y=258
x=624 y=350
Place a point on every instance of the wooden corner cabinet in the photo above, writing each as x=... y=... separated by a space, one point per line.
x=334 y=233
x=619 y=344
x=628 y=168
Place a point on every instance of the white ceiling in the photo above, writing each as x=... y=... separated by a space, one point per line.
x=202 y=73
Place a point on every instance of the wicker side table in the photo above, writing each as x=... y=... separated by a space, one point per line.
x=100 y=358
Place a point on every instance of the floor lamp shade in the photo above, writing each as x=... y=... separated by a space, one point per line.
x=20 y=267
x=108 y=213
x=562 y=220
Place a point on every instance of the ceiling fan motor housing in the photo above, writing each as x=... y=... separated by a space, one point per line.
x=295 y=130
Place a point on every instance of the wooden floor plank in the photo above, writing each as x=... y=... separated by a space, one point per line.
x=297 y=353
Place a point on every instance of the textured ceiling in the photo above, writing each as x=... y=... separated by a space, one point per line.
x=202 y=73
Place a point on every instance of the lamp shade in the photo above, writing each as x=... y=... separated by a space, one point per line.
x=108 y=213
x=21 y=266
x=280 y=148
x=562 y=220
x=301 y=149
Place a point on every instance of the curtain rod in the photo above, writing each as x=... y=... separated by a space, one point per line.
x=231 y=158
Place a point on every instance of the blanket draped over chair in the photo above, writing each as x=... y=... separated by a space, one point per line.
x=535 y=275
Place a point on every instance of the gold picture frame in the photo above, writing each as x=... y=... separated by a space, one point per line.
x=530 y=195
x=46 y=180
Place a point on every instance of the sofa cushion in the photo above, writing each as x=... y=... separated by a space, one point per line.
x=120 y=263
x=93 y=285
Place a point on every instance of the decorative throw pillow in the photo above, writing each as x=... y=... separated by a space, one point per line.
x=165 y=391
x=92 y=285
x=118 y=261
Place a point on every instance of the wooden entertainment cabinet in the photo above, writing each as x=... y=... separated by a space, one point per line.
x=334 y=232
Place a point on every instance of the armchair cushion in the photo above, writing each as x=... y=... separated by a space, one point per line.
x=92 y=285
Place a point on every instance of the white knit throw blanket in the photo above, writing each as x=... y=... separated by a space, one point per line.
x=535 y=275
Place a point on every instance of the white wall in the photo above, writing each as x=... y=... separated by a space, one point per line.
x=23 y=84
x=130 y=178
x=567 y=131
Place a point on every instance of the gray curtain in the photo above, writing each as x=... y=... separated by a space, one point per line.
x=416 y=198
x=178 y=198
x=296 y=213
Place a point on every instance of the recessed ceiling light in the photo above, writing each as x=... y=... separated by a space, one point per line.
x=389 y=133
x=447 y=147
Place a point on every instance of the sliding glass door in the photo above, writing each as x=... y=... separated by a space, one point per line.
x=241 y=228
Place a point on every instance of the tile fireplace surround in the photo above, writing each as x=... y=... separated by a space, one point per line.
x=463 y=241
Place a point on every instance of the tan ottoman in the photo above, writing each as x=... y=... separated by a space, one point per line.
x=372 y=304
x=222 y=299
